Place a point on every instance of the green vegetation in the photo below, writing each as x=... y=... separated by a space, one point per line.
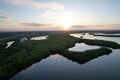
x=2 y=45
x=108 y=35
x=103 y=43
x=20 y=56
x=83 y=57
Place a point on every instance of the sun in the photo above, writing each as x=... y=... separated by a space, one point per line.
x=66 y=23
x=66 y=26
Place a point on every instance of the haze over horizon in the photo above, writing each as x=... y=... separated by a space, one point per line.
x=39 y=15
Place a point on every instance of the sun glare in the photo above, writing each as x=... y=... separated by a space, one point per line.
x=66 y=23
x=66 y=26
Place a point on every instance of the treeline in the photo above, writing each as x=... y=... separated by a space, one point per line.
x=108 y=35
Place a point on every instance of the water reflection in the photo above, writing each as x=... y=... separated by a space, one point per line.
x=57 y=67
x=88 y=36
x=9 y=44
x=39 y=38
x=81 y=47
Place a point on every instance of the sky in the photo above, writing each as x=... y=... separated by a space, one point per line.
x=47 y=15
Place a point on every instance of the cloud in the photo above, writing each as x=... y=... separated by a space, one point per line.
x=79 y=26
x=108 y=25
x=4 y=17
x=2 y=12
x=115 y=25
x=36 y=4
x=47 y=13
x=35 y=24
x=53 y=13
x=97 y=27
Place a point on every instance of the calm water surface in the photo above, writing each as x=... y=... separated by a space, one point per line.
x=9 y=44
x=81 y=47
x=57 y=67
x=39 y=38
x=88 y=36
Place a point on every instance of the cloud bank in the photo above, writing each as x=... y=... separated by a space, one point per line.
x=4 y=17
x=35 y=24
x=36 y=4
x=79 y=26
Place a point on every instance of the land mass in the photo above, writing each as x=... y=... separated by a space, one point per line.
x=19 y=56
